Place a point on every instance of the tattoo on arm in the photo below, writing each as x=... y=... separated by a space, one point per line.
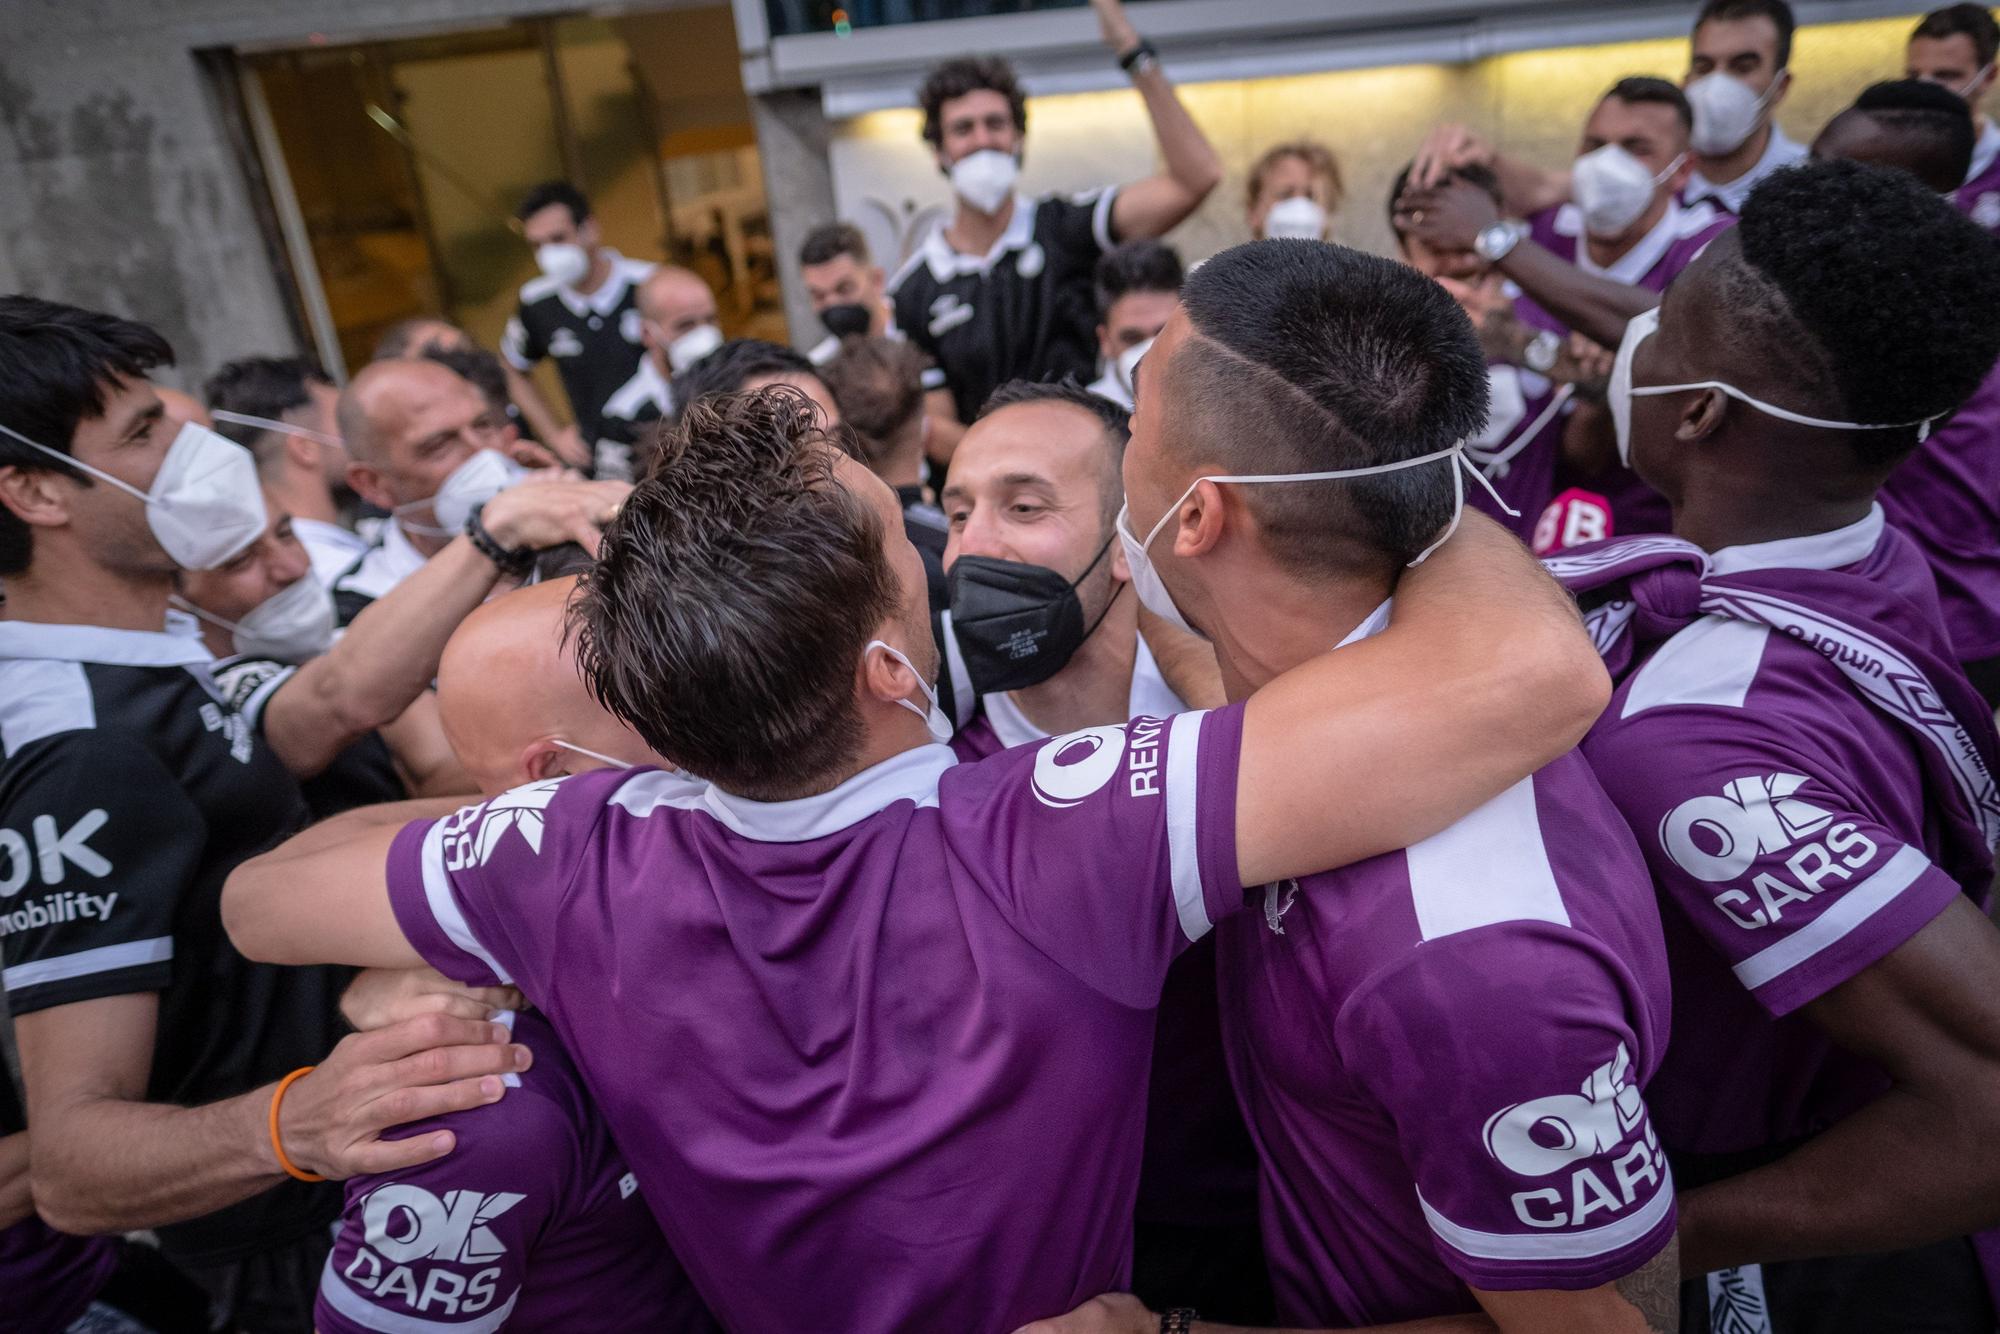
x=1654 y=1291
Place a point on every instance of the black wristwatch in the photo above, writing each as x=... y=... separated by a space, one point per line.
x=1139 y=57
x=515 y=564
x=1179 y=1320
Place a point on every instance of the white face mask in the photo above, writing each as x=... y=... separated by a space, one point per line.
x=293 y=625
x=1152 y=591
x=1727 y=112
x=471 y=484
x=1614 y=189
x=565 y=262
x=1619 y=393
x=985 y=179
x=1973 y=82
x=1126 y=368
x=691 y=346
x=935 y=722
x=205 y=504
x=1296 y=219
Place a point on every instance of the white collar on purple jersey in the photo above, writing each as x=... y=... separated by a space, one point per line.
x=1677 y=224
x=1819 y=551
x=1984 y=152
x=1374 y=623
x=910 y=776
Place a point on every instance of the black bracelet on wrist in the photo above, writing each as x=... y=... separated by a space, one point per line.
x=1179 y=1320
x=1143 y=53
x=513 y=564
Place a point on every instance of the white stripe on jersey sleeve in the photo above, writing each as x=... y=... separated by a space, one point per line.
x=1714 y=661
x=1555 y=1245
x=1853 y=908
x=444 y=908
x=366 y=1314
x=1489 y=867
x=1100 y=218
x=84 y=963
x=514 y=342
x=1183 y=828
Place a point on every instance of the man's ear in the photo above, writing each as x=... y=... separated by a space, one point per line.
x=304 y=453
x=35 y=496
x=365 y=479
x=1199 y=520
x=541 y=759
x=1702 y=417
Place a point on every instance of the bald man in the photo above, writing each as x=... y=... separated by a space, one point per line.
x=409 y=426
x=677 y=320
x=513 y=704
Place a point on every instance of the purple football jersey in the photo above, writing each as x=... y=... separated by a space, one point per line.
x=1441 y=1053
x=533 y=1222
x=1659 y=257
x=1946 y=498
x=877 y=1057
x=1791 y=830
x=1519 y=454
x=48 y=1278
x=1980 y=195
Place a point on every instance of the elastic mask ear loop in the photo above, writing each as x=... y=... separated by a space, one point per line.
x=282 y=428
x=593 y=754
x=80 y=466
x=1460 y=465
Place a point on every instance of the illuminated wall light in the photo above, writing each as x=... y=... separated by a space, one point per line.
x=842 y=27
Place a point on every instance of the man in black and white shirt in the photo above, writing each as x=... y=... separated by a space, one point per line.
x=678 y=323
x=281 y=410
x=129 y=789
x=1003 y=290
x=582 y=311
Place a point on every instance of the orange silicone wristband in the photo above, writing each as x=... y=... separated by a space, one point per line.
x=277 y=1146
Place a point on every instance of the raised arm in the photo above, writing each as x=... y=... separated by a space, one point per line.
x=1525 y=188
x=1156 y=205
x=1484 y=676
x=390 y=653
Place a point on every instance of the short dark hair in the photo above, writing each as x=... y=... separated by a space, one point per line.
x=879 y=385
x=1311 y=357
x=1640 y=88
x=395 y=342
x=724 y=370
x=1885 y=289
x=1971 y=21
x=968 y=74
x=1777 y=11
x=266 y=387
x=733 y=597
x=1115 y=421
x=1472 y=172
x=1136 y=266
x=478 y=367
x=829 y=241
x=57 y=363
x=555 y=192
x=1931 y=124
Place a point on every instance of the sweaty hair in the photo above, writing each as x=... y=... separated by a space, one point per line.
x=879 y=385
x=733 y=596
x=57 y=366
x=1472 y=173
x=968 y=74
x=1641 y=88
x=267 y=387
x=1777 y=11
x=724 y=370
x=1932 y=126
x=1973 y=21
x=829 y=241
x=1889 y=287
x=1310 y=357
x=1319 y=160
x=555 y=192
x=1136 y=266
x=1114 y=422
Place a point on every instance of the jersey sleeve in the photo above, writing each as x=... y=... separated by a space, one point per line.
x=249 y=683
x=1511 y=1073
x=1081 y=223
x=478 y=893
x=1111 y=849
x=519 y=346
x=444 y=1247
x=1776 y=861
x=98 y=847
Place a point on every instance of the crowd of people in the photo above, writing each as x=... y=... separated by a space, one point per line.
x=1451 y=792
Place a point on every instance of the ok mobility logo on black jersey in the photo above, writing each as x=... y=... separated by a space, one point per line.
x=49 y=856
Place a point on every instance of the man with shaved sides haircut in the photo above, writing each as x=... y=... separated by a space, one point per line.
x=870 y=1024
x=1810 y=774
x=1441 y=1051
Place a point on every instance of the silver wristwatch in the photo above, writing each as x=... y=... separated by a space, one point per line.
x=1542 y=351
x=1496 y=242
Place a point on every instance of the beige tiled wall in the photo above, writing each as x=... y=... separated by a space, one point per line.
x=1532 y=103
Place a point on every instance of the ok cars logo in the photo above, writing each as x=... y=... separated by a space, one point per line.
x=1716 y=838
x=1560 y=1132
x=403 y=1223
x=1069 y=769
